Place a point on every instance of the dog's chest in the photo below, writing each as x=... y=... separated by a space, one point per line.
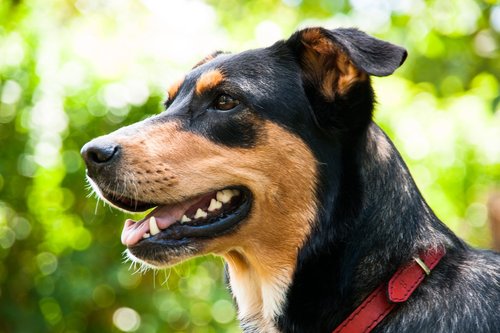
x=259 y=302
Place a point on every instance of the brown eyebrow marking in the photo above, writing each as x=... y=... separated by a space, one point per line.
x=209 y=80
x=174 y=89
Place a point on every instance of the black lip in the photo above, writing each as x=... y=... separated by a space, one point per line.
x=184 y=234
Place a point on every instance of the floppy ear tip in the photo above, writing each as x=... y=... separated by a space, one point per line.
x=371 y=55
x=399 y=54
x=404 y=55
x=391 y=57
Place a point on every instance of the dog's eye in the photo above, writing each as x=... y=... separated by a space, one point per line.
x=225 y=103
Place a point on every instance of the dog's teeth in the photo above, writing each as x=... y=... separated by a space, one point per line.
x=214 y=204
x=153 y=227
x=224 y=196
x=185 y=219
x=146 y=235
x=200 y=214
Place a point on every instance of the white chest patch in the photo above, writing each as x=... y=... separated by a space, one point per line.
x=259 y=301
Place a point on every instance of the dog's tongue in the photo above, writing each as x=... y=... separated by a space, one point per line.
x=165 y=216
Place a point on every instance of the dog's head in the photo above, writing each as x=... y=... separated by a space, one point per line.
x=234 y=162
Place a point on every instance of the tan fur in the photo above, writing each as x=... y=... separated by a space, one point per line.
x=174 y=89
x=208 y=81
x=280 y=171
x=349 y=74
x=327 y=65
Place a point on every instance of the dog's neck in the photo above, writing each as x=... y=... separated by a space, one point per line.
x=373 y=219
x=260 y=273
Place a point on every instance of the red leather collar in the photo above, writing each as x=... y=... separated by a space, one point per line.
x=385 y=298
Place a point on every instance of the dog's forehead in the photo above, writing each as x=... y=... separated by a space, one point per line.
x=267 y=81
x=246 y=69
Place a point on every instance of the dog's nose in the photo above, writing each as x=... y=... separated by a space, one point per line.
x=98 y=153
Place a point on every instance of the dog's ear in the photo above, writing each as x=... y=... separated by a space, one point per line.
x=336 y=65
x=333 y=60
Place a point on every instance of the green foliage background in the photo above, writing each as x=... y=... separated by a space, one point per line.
x=71 y=70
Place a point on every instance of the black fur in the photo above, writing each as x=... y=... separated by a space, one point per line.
x=374 y=56
x=372 y=218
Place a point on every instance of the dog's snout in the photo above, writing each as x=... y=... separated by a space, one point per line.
x=100 y=153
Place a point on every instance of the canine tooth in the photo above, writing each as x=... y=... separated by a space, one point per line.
x=224 y=196
x=200 y=213
x=153 y=227
x=185 y=219
x=214 y=204
x=146 y=235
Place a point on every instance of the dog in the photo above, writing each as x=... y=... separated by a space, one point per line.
x=270 y=159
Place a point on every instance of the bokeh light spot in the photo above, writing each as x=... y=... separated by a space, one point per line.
x=126 y=279
x=7 y=237
x=50 y=310
x=126 y=319
x=223 y=311
x=47 y=263
x=11 y=91
x=103 y=295
x=267 y=32
x=200 y=314
x=21 y=227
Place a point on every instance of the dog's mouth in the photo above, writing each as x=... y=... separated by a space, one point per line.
x=204 y=216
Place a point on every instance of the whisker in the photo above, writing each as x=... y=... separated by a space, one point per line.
x=167 y=277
